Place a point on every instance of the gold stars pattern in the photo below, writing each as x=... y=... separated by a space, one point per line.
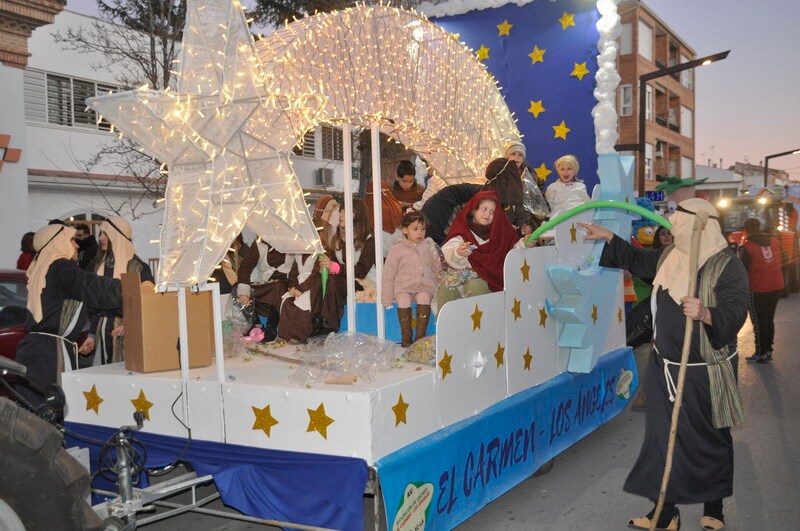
x=264 y=419
x=482 y=53
x=504 y=28
x=619 y=314
x=400 y=409
x=498 y=355
x=536 y=108
x=567 y=20
x=580 y=70
x=142 y=404
x=542 y=172
x=594 y=314
x=476 y=318
x=537 y=55
x=93 y=400
x=515 y=309
x=542 y=317
x=527 y=359
x=573 y=234
x=525 y=270
x=444 y=364
x=318 y=421
x=561 y=130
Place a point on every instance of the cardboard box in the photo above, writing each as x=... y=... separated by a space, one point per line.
x=151 y=327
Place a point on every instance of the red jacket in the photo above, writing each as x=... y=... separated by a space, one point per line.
x=763 y=264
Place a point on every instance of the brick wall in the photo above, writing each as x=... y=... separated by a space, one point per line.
x=17 y=20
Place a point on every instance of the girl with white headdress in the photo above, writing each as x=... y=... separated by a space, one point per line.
x=702 y=467
x=59 y=292
x=117 y=255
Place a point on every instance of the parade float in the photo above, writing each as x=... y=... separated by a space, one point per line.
x=518 y=375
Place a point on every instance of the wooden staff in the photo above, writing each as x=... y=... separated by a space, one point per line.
x=700 y=220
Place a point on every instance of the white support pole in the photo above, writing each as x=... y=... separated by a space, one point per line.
x=347 y=170
x=183 y=335
x=378 y=229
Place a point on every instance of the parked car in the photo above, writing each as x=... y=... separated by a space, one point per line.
x=13 y=307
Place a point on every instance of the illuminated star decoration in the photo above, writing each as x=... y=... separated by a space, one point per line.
x=620 y=315
x=525 y=270
x=567 y=20
x=318 y=421
x=573 y=234
x=476 y=318
x=400 y=409
x=536 y=108
x=264 y=419
x=594 y=313
x=141 y=403
x=515 y=309
x=537 y=55
x=498 y=355
x=580 y=70
x=542 y=317
x=93 y=400
x=482 y=53
x=561 y=130
x=542 y=172
x=504 y=28
x=527 y=358
x=444 y=364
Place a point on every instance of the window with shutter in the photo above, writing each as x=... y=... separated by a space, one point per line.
x=59 y=100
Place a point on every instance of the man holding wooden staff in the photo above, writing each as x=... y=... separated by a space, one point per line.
x=700 y=466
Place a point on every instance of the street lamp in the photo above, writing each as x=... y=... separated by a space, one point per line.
x=776 y=155
x=639 y=147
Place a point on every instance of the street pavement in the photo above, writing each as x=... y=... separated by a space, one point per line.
x=584 y=488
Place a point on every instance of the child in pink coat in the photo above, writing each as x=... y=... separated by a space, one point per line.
x=410 y=274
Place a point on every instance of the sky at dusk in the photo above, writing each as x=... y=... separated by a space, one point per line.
x=747 y=106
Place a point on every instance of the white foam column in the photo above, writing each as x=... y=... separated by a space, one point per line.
x=347 y=171
x=377 y=205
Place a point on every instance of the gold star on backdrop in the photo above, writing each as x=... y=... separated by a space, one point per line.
x=567 y=20
x=515 y=310
x=476 y=318
x=537 y=55
x=627 y=199
x=527 y=357
x=264 y=419
x=619 y=314
x=594 y=314
x=455 y=36
x=400 y=409
x=580 y=70
x=542 y=317
x=542 y=172
x=561 y=130
x=525 y=270
x=504 y=28
x=536 y=108
x=498 y=355
x=142 y=404
x=482 y=53
x=573 y=234
x=444 y=364
x=318 y=420
x=93 y=400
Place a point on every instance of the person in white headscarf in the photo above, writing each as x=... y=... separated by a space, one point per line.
x=59 y=292
x=117 y=255
x=702 y=468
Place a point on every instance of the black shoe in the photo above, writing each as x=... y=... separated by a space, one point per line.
x=755 y=358
x=768 y=355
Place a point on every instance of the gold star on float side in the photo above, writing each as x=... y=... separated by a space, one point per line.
x=498 y=355
x=525 y=270
x=142 y=404
x=580 y=70
x=537 y=55
x=400 y=409
x=567 y=20
x=476 y=318
x=542 y=317
x=504 y=28
x=318 y=421
x=542 y=172
x=594 y=314
x=444 y=364
x=93 y=400
x=527 y=358
x=482 y=53
x=264 y=419
x=573 y=234
x=536 y=108
x=619 y=314
x=515 y=310
x=561 y=130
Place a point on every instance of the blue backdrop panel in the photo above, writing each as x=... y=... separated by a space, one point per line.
x=453 y=473
x=311 y=489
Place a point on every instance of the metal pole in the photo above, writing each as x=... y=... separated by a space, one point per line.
x=640 y=183
x=377 y=205
x=766 y=172
x=347 y=169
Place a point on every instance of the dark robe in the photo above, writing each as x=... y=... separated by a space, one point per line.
x=702 y=466
x=266 y=295
x=336 y=292
x=87 y=251
x=442 y=208
x=40 y=353
x=296 y=323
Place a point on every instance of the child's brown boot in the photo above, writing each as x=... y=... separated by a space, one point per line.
x=423 y=315
x=404 y=316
